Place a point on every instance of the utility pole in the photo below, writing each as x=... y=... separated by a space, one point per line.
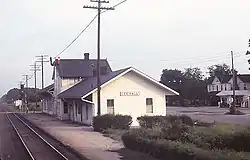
x=42 y=59
x=27 y=88
x=248 y=52
x=35 y=69
x=233 y=105
x=22 y=95
x=99 y=8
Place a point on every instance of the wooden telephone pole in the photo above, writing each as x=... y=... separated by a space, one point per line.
x=42 y=59
x=99 y=8
x=27 y=90
x=35 y=69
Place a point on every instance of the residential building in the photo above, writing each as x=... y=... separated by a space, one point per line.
x=222 y=87
x=217 y=84
x=126 y=91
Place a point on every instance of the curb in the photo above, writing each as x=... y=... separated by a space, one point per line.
x=52 y=137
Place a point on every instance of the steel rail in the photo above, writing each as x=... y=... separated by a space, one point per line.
x=45 y=141
x=20 y=137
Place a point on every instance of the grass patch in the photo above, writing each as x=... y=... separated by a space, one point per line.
x=220 y=128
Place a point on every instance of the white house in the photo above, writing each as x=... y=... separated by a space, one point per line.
x=223 y=86
x=217 y=84
x=18 y=103
x=242 y=91
x=127 y=91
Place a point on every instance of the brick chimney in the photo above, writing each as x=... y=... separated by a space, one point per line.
x=86 y=56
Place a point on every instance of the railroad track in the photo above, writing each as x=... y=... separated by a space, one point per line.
x=37 y=147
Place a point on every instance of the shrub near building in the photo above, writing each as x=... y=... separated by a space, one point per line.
x=162 y=121
x=107 y=121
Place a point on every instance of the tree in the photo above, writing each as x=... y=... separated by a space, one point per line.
x=193 y=74
x=15 y=94
x=172 y=78
x=189 y=84
x=219 y=70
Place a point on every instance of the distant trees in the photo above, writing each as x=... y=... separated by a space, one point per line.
x=219 y=70
x=15 y=94
x=189 y=83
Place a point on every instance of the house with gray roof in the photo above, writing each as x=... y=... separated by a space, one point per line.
x=222 y=87
x=126 y=91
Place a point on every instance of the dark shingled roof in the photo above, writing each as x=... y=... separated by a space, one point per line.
x=225 y=78
x=244 y=77
x=88 y=84
x=71 y=68
x=222 y=79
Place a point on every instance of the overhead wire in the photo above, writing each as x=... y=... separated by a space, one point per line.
x=87 y=26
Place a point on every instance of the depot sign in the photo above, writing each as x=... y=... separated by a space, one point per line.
x=129 y=93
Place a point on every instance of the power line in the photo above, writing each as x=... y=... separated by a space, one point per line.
x=190 y=60
x=77 y=37
x=87 y=26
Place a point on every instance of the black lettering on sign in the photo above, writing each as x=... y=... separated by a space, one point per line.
x=129 y=93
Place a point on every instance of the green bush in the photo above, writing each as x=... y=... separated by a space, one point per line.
x=111 y=121
x=163 y=121
x=238 y=141
x=152 y=121
x=165 y=149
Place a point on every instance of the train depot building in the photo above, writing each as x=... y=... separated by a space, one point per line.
x=128 y=91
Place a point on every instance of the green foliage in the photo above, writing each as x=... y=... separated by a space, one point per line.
x=220 y=136
x=188 y=83
x=193 y=74
x=140 y=140
x=152 y=121
x=219 y=70
x=15 y=94
x=107 y=121
x=163 y=121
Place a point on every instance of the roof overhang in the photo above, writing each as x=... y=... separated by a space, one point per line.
x=237 y=93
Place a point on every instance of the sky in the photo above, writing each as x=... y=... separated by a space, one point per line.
x=148 y=35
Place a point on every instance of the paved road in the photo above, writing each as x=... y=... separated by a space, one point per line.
x=211 y=114
x=11 y=147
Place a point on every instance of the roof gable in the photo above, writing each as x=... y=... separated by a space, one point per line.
x=222 y=79
x=216 y=80
x=140 y=73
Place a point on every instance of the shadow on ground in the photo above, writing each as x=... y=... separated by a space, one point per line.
x=127 y=154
